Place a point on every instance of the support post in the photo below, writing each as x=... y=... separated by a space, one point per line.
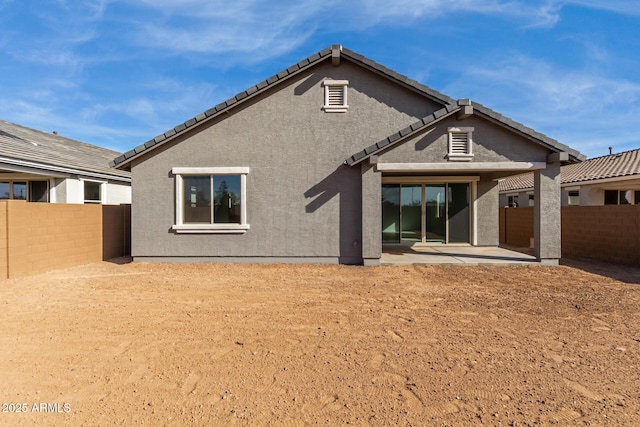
x=546 y=219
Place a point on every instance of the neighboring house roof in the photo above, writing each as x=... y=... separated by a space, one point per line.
x=335 y=52
x=626 y=164
x=33 y=149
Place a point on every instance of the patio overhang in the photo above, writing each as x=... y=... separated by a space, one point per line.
x=461 y=167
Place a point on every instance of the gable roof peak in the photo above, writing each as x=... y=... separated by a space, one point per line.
x=336 y=49
x=336 y=52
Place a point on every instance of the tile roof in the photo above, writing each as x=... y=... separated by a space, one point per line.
x=504 y=121
x=23 y=146
x=452 y=108
x=123 y=160
x=609 y=166
x=395 y=138
x=324 y=54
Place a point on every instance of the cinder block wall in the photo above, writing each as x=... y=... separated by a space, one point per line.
x=609 y=233
x=47 y=236
x=3 y=239
x=517 y=224
x=503 y=229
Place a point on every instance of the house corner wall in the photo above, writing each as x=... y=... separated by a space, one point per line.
x=371 y=215
x=74 y=191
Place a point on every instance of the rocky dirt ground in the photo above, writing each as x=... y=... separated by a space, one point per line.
x=182 y=345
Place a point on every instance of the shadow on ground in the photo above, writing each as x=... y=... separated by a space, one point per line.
x=622 y=272
x=121 y=260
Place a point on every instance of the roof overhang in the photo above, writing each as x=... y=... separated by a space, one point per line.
x=334 y=52
x=463 y=108
x=23 y=166
x=551 y=144
x=404 y=134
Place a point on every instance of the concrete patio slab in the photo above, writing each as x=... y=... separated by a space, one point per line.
x=453 y=255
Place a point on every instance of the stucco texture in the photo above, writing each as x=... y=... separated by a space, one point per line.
x=303 y=202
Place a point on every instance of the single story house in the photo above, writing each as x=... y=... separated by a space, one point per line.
x=613 y=179
x=329 y=160
x=45 y=167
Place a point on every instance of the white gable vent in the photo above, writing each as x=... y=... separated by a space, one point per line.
x=335 y=96
x=460 y=144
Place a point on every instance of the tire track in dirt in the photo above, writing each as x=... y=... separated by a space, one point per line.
x=269 y=384
x=412 y=399
x=586 y=392
x=440 y=410
x=191 y=383
x=325 y=405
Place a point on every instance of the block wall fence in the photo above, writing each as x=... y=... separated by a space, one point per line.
x=609 y=233
x=39 y=237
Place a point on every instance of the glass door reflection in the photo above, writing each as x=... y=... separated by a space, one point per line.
x=436 y=224
x=411 y=213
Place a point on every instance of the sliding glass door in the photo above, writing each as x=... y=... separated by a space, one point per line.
x=391 y=213
x=458 y=213
x=411 y=213
x=436 y=224
x=426 y=213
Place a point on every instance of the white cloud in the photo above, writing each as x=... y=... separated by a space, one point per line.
x=529 y=12
x=267 y=28
x=261 y=28
x=627 y=7
x=581 y=108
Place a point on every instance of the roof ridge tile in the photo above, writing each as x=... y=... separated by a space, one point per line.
x=448 y=103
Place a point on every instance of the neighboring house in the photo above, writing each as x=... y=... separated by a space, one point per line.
x=45 y=167
x=608 y=180
x=329 y=160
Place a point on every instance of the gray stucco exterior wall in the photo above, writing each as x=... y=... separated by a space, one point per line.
x=371 y=214
x=491 y=143
x=303 y=203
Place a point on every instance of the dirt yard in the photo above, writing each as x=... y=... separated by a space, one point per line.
x=182 y=345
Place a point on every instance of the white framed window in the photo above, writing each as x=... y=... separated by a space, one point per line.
x=573 y=197
x=211 y=200
x=93 y=191
x=460 y=144
x=335 y=96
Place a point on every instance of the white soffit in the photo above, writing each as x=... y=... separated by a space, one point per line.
x=461 y=167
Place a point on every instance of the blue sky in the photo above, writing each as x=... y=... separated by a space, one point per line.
x=116 y=73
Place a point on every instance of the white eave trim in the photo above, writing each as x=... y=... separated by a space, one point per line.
x=32 y=167
x=575 y=185
x=32 y=171
x=463 y=167
x=429 y=179
x=602 y=180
